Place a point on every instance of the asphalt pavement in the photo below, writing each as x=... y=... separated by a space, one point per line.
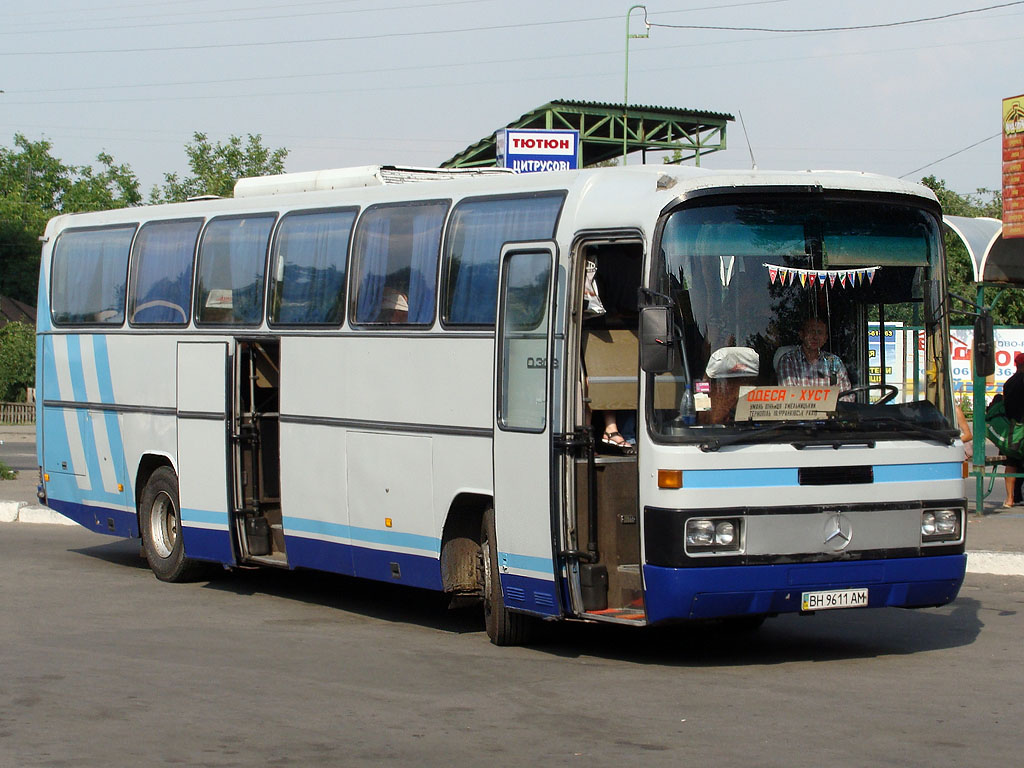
x=995 y=538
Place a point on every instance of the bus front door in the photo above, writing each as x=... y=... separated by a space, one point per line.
x=520 y=545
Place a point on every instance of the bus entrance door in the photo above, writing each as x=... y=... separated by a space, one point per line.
x=256 y=454
x=202 y=445
x=520 y=546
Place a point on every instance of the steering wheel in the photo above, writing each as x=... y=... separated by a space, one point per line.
x=890 y=391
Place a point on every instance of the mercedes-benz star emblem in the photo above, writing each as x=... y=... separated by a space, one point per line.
x=838 y=532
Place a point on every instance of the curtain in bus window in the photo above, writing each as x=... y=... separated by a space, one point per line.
x=373 y=266
x=426 y=239
x=479 y=229
x=231 y=263
x=396 y=262
x=310 y=259
x=162 y=272
x=89 y=275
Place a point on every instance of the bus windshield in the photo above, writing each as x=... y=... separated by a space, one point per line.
x=799 y=315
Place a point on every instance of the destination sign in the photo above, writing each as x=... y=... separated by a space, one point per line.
x=785 y=403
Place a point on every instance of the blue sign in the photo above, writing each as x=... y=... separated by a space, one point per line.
x=532 y=151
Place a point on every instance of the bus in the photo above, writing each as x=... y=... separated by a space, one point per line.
x=560 y=396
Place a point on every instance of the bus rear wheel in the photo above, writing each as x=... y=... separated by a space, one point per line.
x=160 y=526
x=503 y=626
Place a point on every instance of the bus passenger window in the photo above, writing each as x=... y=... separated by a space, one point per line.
x=310 y=257
x=161 y=281
x=89 y=275
x=395 y=262
x=232 y=257
x=473 y=246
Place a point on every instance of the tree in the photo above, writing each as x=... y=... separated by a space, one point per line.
x=17 y=360
x=216 y=167
x=34 y=187
x=1009 y=305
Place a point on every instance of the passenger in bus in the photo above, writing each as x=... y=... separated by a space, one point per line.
x=612 y=281
x=394 y=307
x=809 y=364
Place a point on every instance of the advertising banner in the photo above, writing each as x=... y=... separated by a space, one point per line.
x=897 y=352
x=1013 y=166
x=533 y=151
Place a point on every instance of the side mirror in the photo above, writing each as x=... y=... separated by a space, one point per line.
x=984 y=346
x=658 y=344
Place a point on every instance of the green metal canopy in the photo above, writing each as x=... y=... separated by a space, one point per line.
x=601 y=128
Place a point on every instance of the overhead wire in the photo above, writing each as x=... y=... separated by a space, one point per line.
x=883 y=25
x=952 y=154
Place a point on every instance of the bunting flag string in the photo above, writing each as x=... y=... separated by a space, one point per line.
x=847 y=278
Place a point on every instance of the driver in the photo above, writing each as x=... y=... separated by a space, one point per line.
x=808 y=364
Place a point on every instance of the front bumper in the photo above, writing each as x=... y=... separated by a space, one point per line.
x=716 y=592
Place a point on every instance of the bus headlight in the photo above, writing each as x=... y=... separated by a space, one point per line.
x=940 y=525
x=712 y=535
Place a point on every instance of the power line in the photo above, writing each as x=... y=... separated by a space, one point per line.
x=306 y=40
x=954 y=154
x=381 y=36
x=841 y=29
x=418 y=67
x=234 y=19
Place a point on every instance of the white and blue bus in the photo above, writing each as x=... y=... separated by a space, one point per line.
x=556 y=394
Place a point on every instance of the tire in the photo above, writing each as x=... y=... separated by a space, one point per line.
x=503 y=626
x=160 y=526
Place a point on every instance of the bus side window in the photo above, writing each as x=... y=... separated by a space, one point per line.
x=308 y=267
x=395 y=263
x=89 y=275
x=161 y=274
x=232 y=259
x=478 y=229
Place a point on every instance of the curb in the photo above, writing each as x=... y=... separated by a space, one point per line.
x=23 y=512
x=996 y=563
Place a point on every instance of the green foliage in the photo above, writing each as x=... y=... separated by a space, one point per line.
x=216 y=167
x=34 y=187
x=1009 y=306
x=6 y=473
x=17 y=361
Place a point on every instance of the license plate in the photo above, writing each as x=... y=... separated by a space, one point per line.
x=834 y=598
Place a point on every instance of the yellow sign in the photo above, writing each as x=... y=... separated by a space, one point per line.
x=1013 y=166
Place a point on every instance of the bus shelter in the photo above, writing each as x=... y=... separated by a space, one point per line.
x=997 y=262
x=607 y=130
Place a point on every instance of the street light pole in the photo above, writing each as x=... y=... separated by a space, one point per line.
x=625 y=94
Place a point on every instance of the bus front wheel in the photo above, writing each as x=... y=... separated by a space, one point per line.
x=503 y=626
x=160 y=526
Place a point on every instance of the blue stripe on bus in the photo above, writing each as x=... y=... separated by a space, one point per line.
x=527 y=562
x=113 y=421
x=205 y=516
x=377 y=564
x=789 y=476
x=113 y=522
x=739 y=478
x=368 y=535
x=903 y=473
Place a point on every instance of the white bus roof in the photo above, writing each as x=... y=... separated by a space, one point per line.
x=599 y=195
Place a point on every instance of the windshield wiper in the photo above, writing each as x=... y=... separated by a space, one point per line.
x=944 y=436
x=755 y=435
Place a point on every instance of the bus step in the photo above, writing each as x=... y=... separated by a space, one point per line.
x=620 y=614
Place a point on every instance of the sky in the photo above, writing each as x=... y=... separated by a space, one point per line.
x=412 y=82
